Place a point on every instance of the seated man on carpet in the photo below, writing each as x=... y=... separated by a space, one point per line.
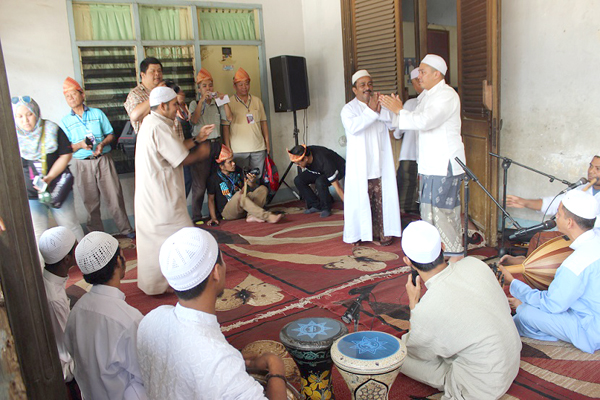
x=231 y=196
x=570 y=309
x=183 y=353
x=323 y=168
x=549 y=205
x=57 y=246
x=461 y=337
x=101 y=331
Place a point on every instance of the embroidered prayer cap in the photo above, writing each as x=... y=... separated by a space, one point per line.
x=203 y=75
x=436 y=62
x=414 y=74
x=56 y=243
x=71 y=84
x=359 y=74
x=225 y=153
x=295 y=158
x=583 y=204
x=94 y=251
x=188 y=257
x=161 y=94
x=421 y=242
x=241 y=75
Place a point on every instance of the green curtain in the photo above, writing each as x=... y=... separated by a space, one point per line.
x=227 y=26
x=111 y=22
x=164 y=23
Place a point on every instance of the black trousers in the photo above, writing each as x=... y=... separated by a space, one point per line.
x=322 y=199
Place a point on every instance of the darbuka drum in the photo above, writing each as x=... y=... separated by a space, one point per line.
x=309 y=341
x=369 y=362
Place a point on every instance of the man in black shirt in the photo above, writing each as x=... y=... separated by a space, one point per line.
x=323 y=168
x=233 y=196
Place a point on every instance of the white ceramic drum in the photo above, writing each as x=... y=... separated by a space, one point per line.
x=369 y=362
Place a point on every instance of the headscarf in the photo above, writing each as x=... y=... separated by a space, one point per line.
x=241 y=75
x=224 y=154
x=295 y=158
x=30 y=143
x=203 y=75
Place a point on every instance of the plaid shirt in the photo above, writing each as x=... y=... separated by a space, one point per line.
x=138 y=94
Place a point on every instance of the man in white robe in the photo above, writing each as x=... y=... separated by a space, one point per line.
x=160 y=204
x=371 y=209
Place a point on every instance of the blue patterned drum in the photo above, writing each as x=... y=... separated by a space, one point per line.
x=369 y=361
x=309 y=341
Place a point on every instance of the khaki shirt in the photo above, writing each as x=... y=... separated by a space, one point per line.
x=245 y=132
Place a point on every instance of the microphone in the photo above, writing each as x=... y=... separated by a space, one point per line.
x=352 y=311
x=549 y=224
x=580 y=182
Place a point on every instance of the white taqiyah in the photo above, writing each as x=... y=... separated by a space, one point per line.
x=359 y=74
x=56 y=243
x=414 y=74
x=436 y=62
x=94 y=251
x=421 y=242
x=583 y=204
x=161 y=94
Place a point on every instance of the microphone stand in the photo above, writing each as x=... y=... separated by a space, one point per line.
x=469 y=175
x=506 y=163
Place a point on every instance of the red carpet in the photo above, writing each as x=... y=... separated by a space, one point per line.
x=301 y=268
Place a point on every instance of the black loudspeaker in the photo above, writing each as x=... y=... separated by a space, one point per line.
x=290 y=83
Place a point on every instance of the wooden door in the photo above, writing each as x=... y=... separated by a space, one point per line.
x=438 y=42
x=479 y=89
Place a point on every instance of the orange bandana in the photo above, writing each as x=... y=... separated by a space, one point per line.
x=241 y=75
x=203 y=75
x=224 y=154
x=71 y=84
x=294 y=158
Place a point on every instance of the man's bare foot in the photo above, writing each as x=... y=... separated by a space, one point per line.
x=274 y=218
x=251 y=218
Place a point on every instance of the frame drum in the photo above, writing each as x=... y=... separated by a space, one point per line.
x=369 y=362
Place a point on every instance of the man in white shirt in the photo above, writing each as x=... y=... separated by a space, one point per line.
x=549 y=205
x=183 y=353
x=57 y=246
x=437 y=118
x=101 y=332
x=407 y=174
x=371 y=209
x=462 y=339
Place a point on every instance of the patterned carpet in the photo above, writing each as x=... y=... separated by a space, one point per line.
x=301 y=268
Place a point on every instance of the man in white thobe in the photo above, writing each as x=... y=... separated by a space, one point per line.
x=437 y=118
x=183 y=353
x=371 y=209
x=462 y=339
x=101 y=332
x=160 y=204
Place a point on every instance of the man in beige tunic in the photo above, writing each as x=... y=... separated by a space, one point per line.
x=160 y=205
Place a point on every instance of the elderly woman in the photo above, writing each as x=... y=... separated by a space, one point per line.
x=45 y=152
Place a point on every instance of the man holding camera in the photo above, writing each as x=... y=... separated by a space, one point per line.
x=91 y=135
x=233 y=194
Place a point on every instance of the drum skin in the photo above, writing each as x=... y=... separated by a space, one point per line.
x=369 y=362
x=309 y=340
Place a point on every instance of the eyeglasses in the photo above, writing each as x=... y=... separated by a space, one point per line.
x=16 y=99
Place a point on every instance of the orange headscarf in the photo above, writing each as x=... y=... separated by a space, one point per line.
x=224 y=154
x=71 y=84
x=203 y=75
x=241 y=75
x=294 y=158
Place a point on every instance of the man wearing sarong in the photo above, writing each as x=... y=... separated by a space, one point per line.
x=437 y=118
x=371 y=210
x=160 y=205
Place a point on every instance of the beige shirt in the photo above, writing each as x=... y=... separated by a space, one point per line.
x=160 y=205
x=210 y=114
x=245 y=132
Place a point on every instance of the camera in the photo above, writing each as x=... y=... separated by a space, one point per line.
x=90 y=140
x=213 y=95
x=253 y=171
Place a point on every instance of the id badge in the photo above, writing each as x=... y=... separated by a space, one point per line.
x=250 y=118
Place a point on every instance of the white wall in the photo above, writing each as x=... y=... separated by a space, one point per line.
x=550 y=91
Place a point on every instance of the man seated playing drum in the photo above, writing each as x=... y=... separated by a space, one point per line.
x=461 y=337
x=181 y=350
x=570 y=309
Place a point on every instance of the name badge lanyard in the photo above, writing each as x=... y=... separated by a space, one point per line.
x=249 y=102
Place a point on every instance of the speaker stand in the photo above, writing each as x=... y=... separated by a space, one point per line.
x=282 y=180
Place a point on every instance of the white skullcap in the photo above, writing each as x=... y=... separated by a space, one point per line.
x=359 y=74
x=161 y=94
x=414 y=74
x=94 y=251
x=436 y=62
x=187 y=258
x=56 y=243
x=583 y=204
x=421 y=242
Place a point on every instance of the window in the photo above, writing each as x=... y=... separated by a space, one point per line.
x=110 y=40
